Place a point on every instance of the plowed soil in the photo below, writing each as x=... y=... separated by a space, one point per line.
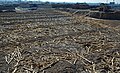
x=52 y=41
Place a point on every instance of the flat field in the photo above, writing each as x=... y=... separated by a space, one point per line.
x=52 y=41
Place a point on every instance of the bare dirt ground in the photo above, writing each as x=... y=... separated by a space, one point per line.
x=51 y=41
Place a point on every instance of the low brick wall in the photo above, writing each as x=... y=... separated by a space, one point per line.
x=104 y=15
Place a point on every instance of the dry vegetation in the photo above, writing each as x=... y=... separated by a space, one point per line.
x=51 y=41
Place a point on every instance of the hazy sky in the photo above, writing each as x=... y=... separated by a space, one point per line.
x=89 y=1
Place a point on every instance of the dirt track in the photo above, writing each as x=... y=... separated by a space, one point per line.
x=51 y=41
